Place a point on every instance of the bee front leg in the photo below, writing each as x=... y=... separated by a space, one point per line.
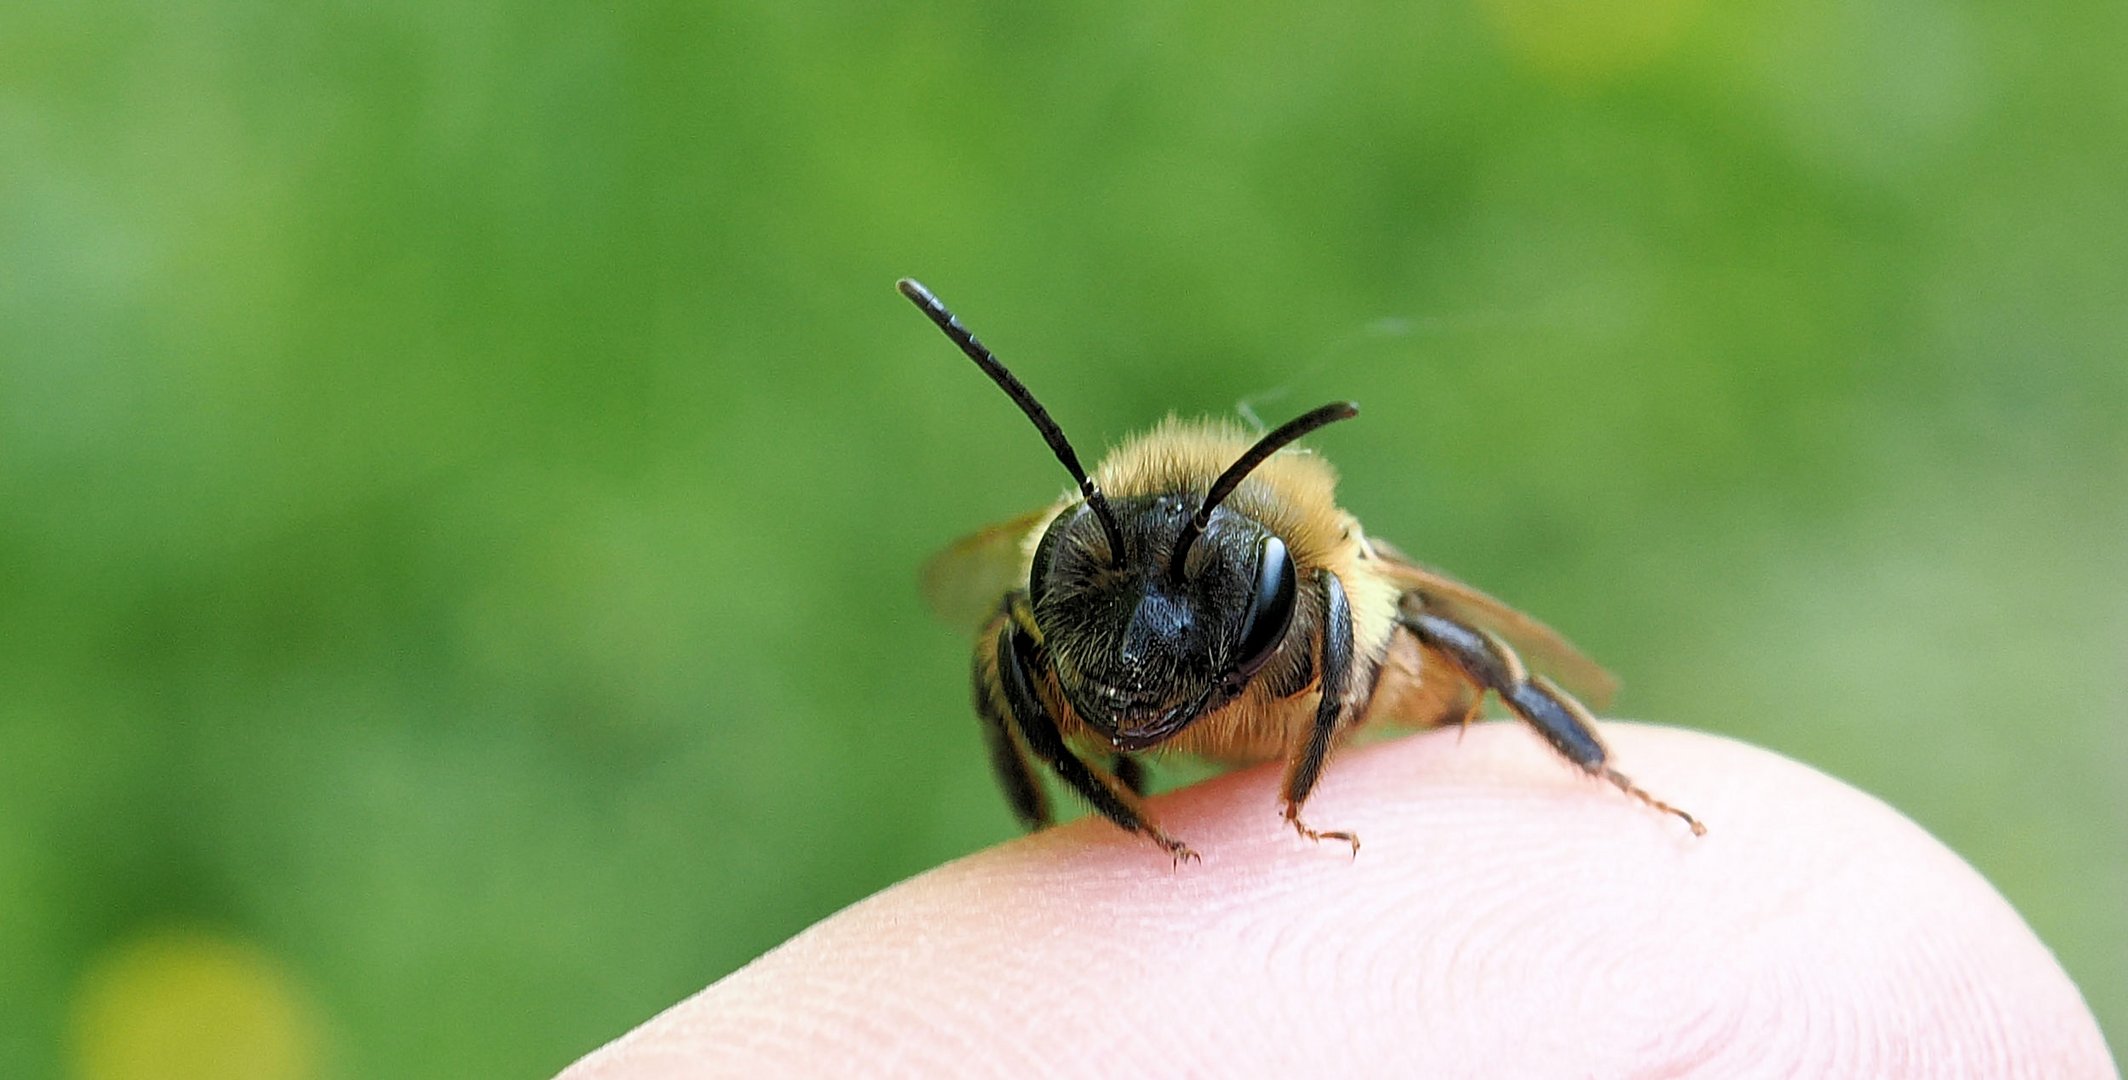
x=1008 y=759
x=1130 y=772
x=1015 y=650
x=1336 y=680
x=1488 y=662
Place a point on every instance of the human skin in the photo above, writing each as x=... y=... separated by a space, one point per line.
x=1505 y=916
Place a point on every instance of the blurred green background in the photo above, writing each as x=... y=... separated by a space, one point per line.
x=463 y=467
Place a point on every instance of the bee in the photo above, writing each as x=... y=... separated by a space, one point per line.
x=1202 y=593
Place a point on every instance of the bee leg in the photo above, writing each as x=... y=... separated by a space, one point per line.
x=1487 y=661
x=1470 y=715
x=1336 y=661
x=1130 y=772
x=1008 y=759
x=1014 y=648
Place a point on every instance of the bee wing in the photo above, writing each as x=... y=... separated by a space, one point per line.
x=1539 y=645
x=964 y=584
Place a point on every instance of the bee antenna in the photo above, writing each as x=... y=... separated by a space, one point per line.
x=1246 y=464
x=1021 y=396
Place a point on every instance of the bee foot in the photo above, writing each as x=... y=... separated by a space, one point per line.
x=1177 y=849
x=1619 y=780
x=1293 y=819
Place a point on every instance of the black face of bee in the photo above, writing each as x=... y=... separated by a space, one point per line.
x=1139 y=650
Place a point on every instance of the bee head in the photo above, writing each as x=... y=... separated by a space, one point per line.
x=1139 y=651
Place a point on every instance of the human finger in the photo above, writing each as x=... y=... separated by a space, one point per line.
x=1505 y=916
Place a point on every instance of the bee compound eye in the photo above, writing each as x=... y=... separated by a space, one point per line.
x=1038 y=573
x=1271 y=608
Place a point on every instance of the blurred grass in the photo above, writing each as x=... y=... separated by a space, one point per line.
x=463 y=468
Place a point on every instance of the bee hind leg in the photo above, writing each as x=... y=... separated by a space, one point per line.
x=1488 y=662
x=1014 y=648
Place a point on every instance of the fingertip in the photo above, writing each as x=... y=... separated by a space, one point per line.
x=1506 y=913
